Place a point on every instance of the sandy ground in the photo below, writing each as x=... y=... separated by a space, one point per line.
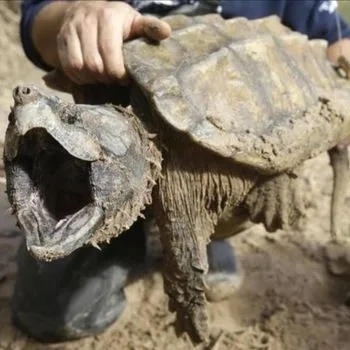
x=289 y=298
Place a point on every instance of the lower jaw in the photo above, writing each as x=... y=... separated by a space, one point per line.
x=67 y=236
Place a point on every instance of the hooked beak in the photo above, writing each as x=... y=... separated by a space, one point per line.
x=31 y=112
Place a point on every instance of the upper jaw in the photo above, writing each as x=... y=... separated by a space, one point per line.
x=39 y=115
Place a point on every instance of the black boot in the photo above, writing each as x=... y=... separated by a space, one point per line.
x=79 y=295
x=225 y=275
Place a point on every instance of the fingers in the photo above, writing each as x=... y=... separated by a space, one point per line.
x=78 y=51
x=93 y=62
x=150 y=27
x=110 y=42
x=91 y=38
x=69 y=52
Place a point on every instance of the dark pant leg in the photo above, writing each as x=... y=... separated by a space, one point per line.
x=79 y=295
x=225 y=275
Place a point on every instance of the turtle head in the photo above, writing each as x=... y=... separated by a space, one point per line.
x=71 y=171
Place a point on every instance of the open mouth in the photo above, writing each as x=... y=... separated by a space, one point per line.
x=71 y=170
x=57 y=209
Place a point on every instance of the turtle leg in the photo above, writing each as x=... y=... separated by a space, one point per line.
x=185 y=265
x=276 y=202
x=339 y=159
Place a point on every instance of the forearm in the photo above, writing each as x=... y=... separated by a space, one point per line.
x=45 y=29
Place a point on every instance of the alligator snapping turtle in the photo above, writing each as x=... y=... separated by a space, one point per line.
x=224 y=113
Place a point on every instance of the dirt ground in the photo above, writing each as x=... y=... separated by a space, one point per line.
x=295 y=293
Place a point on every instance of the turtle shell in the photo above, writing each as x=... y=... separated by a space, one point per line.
x=239 y=87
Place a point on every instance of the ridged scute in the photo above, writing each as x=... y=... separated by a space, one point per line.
x=239 y=88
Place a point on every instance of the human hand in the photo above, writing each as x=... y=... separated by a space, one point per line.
x=339 y=54
x=91 y=37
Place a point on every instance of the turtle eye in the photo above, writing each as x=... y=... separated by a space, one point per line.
x=71 y=118
x=68 y=116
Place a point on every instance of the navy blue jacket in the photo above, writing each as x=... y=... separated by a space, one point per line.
x=315 y=18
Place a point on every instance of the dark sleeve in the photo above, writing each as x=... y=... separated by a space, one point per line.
x=315 y=18
x=29 y=9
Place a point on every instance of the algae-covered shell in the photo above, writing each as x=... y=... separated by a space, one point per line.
x=244 y=89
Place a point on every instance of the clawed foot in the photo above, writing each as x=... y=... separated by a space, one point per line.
x=187 y=299
x=189 y=292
